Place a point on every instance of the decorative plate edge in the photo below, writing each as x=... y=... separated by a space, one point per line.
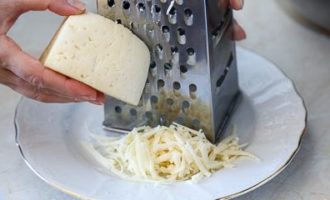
x=235 y=195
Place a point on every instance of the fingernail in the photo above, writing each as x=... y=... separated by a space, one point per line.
x=100 y=97
x=241 y=3
x=77 y=4
x=99 y=103
x=86 y=98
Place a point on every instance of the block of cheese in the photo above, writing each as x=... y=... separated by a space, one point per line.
x=102 y=54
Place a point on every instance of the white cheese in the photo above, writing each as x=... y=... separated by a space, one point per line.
x=102 y=54
x=164 y=154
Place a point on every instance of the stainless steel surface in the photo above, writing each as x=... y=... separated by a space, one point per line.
x=278 y=38
x=317 y=11
x=193 y=75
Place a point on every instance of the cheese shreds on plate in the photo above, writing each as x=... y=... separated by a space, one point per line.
x=165 y=154
x=102 y=54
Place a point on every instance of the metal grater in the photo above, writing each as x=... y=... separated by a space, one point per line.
x=193 y=76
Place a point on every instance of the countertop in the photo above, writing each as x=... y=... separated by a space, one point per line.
x=274 y=31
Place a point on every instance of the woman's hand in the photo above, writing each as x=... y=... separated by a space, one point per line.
x=239 y=33
x=27 y=75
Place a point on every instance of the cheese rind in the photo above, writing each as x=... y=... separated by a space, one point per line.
x=102 y=54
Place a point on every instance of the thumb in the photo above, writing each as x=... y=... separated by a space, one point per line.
x=60 y=7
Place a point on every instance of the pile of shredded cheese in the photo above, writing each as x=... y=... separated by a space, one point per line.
x=165 y=154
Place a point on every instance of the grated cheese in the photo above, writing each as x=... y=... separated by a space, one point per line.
x=165 y=154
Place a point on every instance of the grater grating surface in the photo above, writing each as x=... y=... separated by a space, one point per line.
x=193 y=76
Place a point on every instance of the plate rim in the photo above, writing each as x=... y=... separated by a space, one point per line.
x=231 y=196
x=301 y=137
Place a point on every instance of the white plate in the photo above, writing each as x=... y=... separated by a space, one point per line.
x=271 y=118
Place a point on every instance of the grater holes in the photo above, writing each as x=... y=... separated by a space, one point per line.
x=118 y=109
x=166 y=33
x=167 y=69
x=153 y=68
x=175 y=55
x=191 y=56
x=196 y=124
x=185 y=106
x=156 y=12
x=187 y=12
x=192 y=90
x=217 y=31
x=156 y=9
x=165 y=29
x=183 y=71
x=153 y=65
x=179 y=2
x=126 y=5
x=174 y=49
x=172 y=15
x=141 y=7
x=220 y=80
x=230 y=60
x=181 y=36
x=176 y=88
x=168 y=66
x=133 y=112
x=223 y=76
x=188 y=17
x=190 y=51
x=170 y=101
x=150 y=31
x=111 y=3
x=172 y=11
x=154 y=99
x=170 y=104
x=134 y=25
x=160 y=84
x=159 y=51
x=179 y=120
x=176 y=85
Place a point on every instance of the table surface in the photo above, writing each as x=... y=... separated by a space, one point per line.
x=275 y=32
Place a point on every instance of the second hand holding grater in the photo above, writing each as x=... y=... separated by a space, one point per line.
x=193 y=75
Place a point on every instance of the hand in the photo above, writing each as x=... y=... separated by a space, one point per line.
x=239 y=33
x=25 y=74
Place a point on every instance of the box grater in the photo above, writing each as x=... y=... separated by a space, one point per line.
x=192 y=78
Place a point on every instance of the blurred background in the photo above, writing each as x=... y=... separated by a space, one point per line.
x=294 y=34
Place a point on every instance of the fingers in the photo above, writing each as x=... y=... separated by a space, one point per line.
x=237 y=4
x=61 y=7
x=43 y=84
x=32 y=71
x=27 y=90
x=100 y=99
x=43 y=95
x=223 y=4
x=238 y=32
